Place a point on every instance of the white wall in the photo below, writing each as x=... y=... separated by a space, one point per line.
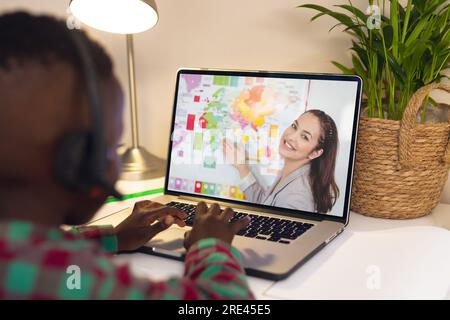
x=235 y=34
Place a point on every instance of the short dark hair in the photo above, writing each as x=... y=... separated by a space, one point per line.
x=25 y=37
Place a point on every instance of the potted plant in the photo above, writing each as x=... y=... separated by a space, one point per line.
x=401 y=165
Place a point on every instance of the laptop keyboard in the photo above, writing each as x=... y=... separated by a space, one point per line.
x=260 y=227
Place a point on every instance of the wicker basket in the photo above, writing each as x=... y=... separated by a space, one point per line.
x=401 y=167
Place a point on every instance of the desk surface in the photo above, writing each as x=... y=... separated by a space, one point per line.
x=158 y=268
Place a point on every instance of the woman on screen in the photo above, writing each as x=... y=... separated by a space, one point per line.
x=306 y=182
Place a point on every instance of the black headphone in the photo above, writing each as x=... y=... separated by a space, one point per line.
x=81 y=162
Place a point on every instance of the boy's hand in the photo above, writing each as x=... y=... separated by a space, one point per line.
x=213 y=224
x=146 y=221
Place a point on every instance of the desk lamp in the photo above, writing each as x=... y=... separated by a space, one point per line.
x=125 y=17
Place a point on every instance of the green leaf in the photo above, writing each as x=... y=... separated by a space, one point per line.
x=362 y=53
x=406 y=20
x=432 y=101
x=416 y=32
x=401 y=13
x=355 y=11
x=395 y=27
x=336 y=25
x=388 y=33
x=411 y=49
x=358 y=66
x=318 y=16
x=343 y=68
x=419 y=5
x=342 y=18
x=375 y=66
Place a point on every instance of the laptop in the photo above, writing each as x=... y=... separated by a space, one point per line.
x=277 y=146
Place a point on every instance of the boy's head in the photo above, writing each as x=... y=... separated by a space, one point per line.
x=42 y=100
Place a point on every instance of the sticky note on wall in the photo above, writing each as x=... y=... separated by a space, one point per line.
x=232 y=192
x=218 y=189
x=205 y=188
x=184 y=184
x=190 y=186
x=178 y=184
x=198 y=141
x=171 y=183
x=273 y=133
x=202 y=122
x=234 y=81
x=221 y=80
x=209 y=162
x=211 y=189
x=190 y=122
x=198 y=186
x=224 y=190
x=261 y=153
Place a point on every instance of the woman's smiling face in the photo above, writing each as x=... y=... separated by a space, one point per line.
x=299 y=141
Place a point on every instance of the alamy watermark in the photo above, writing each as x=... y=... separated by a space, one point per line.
x=373 y=280
x=230 y=146
x=72 y=23
x=374 y=19
x=73 y=281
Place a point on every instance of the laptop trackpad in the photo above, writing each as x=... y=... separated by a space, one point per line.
x=169 y=240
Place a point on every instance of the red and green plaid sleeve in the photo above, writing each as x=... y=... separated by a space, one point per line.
x=213 y=270
x=103 y=234
x=42 y=263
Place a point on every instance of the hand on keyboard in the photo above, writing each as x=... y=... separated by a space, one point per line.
x=214 y=223
x=260 y=227
x=146 y=221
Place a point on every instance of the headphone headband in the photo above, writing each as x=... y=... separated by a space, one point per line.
x=85 y=153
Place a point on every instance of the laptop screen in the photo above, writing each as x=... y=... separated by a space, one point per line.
x=281 y=140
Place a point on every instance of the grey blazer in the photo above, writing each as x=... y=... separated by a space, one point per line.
x=293 y=192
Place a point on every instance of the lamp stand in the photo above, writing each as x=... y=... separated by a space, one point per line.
x=137 y=163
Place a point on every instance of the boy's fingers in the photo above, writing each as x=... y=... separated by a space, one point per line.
x=214 y=209
x=227 y=214
x=201 y=208
x=180 y=222
x=156 y=228
x=153 y=204
x=145 y=204
x=186 y=239
x=237 y=225
x=168 y=220
x=157 y=214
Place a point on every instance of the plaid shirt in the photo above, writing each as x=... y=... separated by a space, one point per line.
x=38 y=262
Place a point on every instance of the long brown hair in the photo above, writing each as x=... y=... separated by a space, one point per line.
x=324 y=188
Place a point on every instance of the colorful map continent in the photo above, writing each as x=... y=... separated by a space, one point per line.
x=192 y=81
x=252 y=106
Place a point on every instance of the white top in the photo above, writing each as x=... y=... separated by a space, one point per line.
x=293 y=192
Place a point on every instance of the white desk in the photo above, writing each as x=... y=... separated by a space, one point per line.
x=158 y=268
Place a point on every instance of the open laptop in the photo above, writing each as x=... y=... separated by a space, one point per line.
x=261 y=117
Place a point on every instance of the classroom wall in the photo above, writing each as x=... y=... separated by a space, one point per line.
x=233 y=34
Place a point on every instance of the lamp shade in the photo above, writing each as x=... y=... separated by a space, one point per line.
x=116 y=16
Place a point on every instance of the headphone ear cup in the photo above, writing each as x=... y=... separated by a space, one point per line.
x=72 y=161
